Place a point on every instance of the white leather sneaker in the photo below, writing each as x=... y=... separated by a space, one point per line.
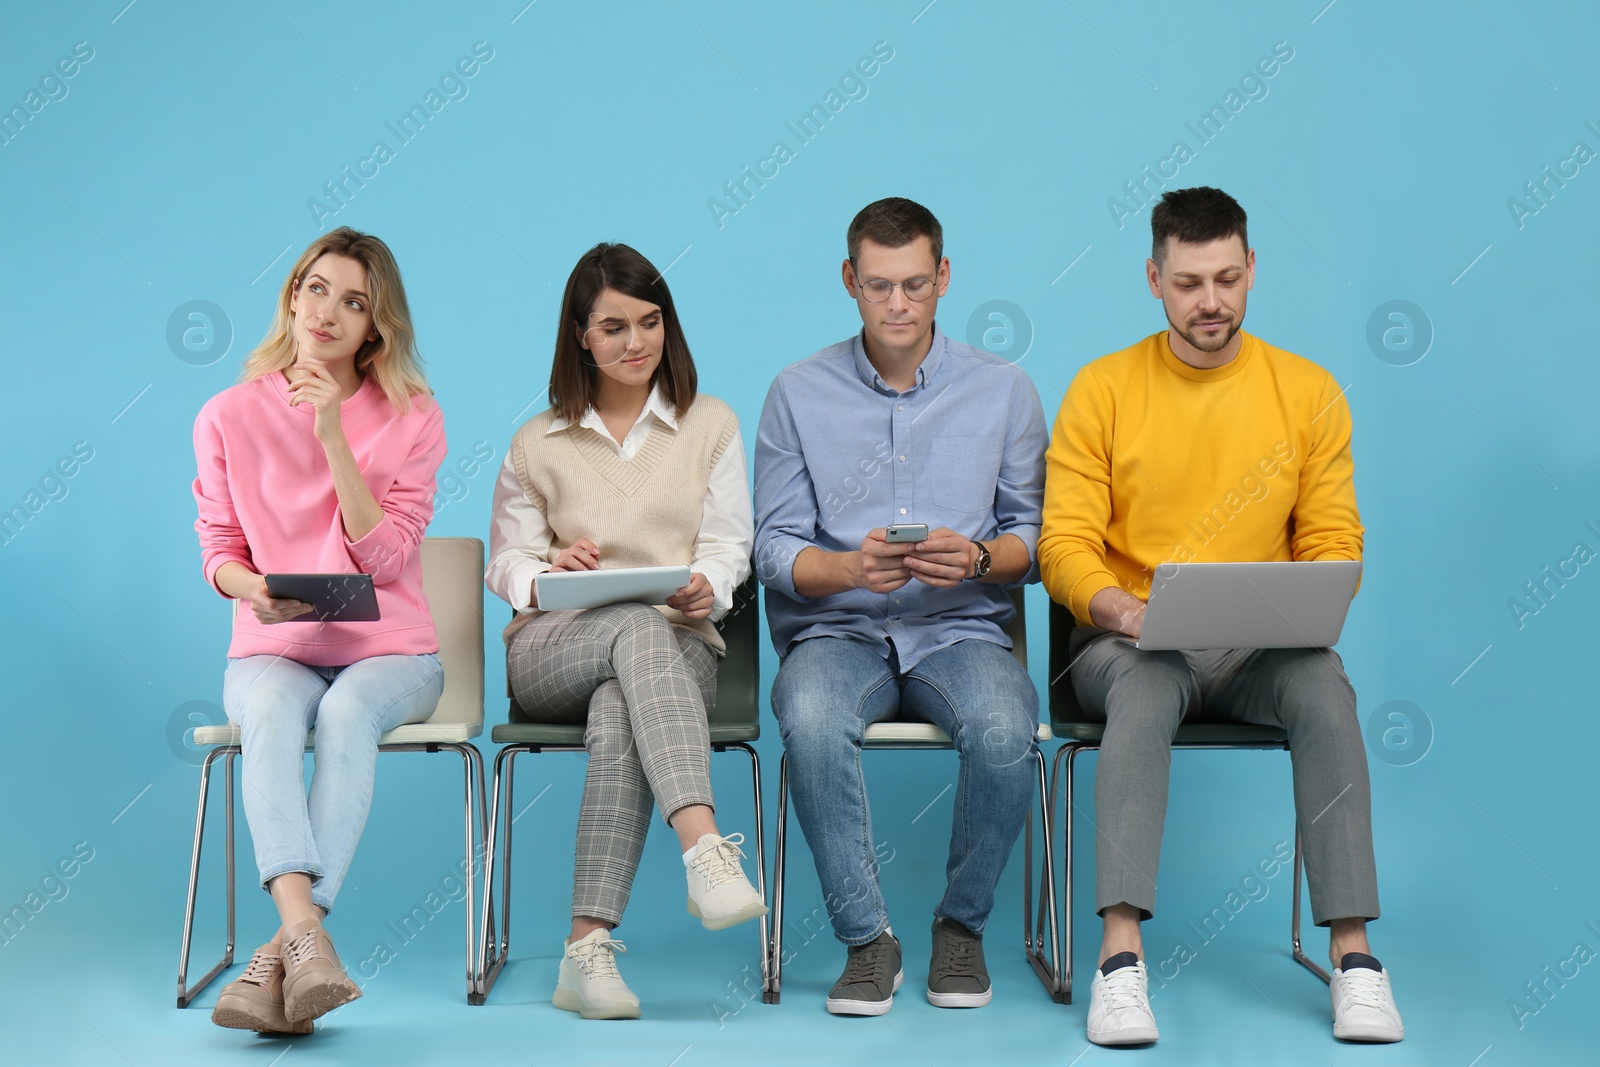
x=589 y=982
x=720 y=895
x=1119 y=1005
x=1363 y=1003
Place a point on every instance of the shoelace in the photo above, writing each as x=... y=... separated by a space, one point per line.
x=1364 y=987
x=302 y=948
x=720 y=863
x=261 y=969
x=1121 y=989
x=868 y=964
x=960 y=956
x=599 y=958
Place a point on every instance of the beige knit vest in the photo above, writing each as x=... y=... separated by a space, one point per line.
x=642 y=512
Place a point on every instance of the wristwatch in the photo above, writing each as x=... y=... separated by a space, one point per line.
x=981 y=566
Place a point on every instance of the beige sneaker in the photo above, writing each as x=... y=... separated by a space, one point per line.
x=720 y=895
x=314 y=982
x=254 y=1000
x=589 y=983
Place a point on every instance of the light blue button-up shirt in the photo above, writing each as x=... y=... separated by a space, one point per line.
x=839 y=453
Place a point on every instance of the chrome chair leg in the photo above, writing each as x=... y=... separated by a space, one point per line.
x=472 y=776
x=761 y=856
x=1047 y=917
x=187 y=993
x=495 y=949
x=1070 y=751
x=774 y=986
x=1294 y=929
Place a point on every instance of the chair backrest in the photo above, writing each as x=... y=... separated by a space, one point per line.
x=739 y=672
x=1017 y=630
x=452 y=578
x=1064 y=706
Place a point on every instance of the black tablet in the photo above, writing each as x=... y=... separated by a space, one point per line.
x=336 y=597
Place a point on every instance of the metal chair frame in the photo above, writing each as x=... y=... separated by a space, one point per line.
x=473 y=781
x=1080 y=736
x=474 y=786
x=896 y=735
x=493 y=952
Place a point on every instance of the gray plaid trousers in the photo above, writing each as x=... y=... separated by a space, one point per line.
x=642 y=688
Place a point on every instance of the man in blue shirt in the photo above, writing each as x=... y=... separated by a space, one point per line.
x=901 y=425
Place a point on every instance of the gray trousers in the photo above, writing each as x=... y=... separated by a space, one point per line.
x=642 y=687
x=1143 y=696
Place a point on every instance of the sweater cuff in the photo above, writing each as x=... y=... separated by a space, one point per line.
x=1079 y=595
x=216 y=563
x=380 y=553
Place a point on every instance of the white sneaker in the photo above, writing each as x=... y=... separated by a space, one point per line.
x=1119 y=1007
x=720 y=895
x=1363 y=1003
x=589 y=982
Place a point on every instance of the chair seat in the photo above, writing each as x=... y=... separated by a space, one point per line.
x=420 y=733
x=919 y=733
x=539 y=733
x=1204 y=733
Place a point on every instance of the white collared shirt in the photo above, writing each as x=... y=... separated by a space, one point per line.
x=520 y=538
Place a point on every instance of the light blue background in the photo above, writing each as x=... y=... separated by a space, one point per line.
x=1377 y=167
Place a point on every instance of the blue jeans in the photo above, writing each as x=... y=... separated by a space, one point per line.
x=275 y=701
x=830 y=689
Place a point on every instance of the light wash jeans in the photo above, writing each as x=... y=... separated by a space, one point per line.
x=275 y=701
x=830 y=689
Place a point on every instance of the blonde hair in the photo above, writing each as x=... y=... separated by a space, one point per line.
x=392 y=359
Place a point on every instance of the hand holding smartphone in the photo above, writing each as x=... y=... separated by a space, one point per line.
x=905 y=532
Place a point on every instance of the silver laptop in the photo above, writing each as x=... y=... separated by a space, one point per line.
x=1249 y=605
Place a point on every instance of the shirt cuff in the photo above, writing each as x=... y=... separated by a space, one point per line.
x=519 y=579
x=774 y=566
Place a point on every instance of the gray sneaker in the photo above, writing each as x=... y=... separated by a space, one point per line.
x=871 y=976
x=957 y=977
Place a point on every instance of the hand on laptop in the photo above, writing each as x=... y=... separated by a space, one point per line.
x=1116 y=609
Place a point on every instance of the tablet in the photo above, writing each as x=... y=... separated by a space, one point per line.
x=336 y=597
x=566 y=590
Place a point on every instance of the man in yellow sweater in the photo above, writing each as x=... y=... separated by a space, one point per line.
x=1203 y=443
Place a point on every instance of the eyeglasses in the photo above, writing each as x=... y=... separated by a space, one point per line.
x=877 y=290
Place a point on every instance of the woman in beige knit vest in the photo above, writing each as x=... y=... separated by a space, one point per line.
x=628 y=468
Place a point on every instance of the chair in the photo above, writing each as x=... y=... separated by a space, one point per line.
x=735 y=722
x=1068 y=721
x=896 y=735
x=452 y=578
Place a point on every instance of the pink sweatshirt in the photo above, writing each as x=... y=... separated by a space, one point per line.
x=266 y=500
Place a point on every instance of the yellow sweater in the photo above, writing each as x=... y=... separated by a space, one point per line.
x=1154 y=461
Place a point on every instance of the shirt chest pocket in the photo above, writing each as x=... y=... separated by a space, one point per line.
x=965 y=471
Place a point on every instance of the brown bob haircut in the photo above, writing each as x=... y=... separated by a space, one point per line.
x=895 y=222
x=573 y=374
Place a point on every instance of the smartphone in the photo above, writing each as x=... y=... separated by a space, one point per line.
x=901 y=532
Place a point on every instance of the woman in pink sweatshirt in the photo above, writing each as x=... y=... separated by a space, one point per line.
x=322 y=460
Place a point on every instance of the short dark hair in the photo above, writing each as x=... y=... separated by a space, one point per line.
x=573 y=374
x=895 y=222
x=1195 y=216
